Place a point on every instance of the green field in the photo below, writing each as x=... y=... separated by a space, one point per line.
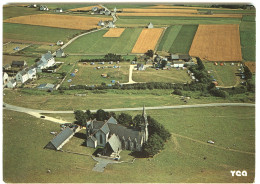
x=135 y=21
x=225 y=75
x=184 y=39
x=94 y=43
x=169 y=37
x=37 y=33
x=186 y=157
x=248 y=38
x=90 y=75
x=151 y=75
x=9 y=48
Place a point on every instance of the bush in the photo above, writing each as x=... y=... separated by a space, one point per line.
x=153 y=145
x=218 y=93
x=177 y=92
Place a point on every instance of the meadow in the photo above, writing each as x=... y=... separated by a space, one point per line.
x=183 y=41
x=95 y=43
x=172 y=76
x=168 y=38
x=224 y=75
x=187 y=157
x=45 y=35
x=248 y=37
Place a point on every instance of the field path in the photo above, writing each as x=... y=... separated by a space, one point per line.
x=213 y=145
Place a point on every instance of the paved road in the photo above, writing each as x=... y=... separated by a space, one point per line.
x=28 y=110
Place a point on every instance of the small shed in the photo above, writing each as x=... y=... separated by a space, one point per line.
x=58 y=10
x=101 y=23
x=19 y=64
x=59 y=42
x=60 y=53
x=46 y=87
x=60 y=139
x=43 y=8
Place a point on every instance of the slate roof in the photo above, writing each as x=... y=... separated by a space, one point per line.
x=112 y=120
x=23 y=72
x=92 y=138
x=115 y=143
x=12 y=81
x=180 y=56
x=19 y=63
x=48 y=55
x=61 y=137
x=105 y=128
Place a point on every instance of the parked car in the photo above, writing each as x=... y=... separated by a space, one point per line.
x=211 y=142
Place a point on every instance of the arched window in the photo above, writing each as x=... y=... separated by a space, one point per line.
x=100 y=139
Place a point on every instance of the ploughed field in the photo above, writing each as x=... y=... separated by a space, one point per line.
x=147 y=40
x=217 y=43
x=60 y=21
x=114 y=32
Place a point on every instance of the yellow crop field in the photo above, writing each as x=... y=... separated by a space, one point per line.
x=60 y=21
x=88 y=8
x=217 y=43
x=138 y=10
x=147 y=40
x=114 y=32
x=180 y=15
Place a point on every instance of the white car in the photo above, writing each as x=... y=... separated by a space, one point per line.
x=210 y=142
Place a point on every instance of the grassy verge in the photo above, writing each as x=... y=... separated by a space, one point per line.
x=184 y=39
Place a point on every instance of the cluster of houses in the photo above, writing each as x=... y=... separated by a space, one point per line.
x=47 y=60
x=110 y=24
x=102 y=11
x=44 y=8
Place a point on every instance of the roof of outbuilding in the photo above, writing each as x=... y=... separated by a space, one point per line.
x=112 y=120
x=18 y=62
x=48 y=56
x=61 y=137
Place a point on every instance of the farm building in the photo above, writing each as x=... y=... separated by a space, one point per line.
x=11 y=83
x=101 y=23
x=22 y=76
x=60 y=53
x=32 y=6
x=60 y=139
x=150 y=26
x=59 y=42
x=115 y=10
x=58 y=10
x=46 y=87
x=6 y=67
x=95 y=9
x=43 y=8
x=99 y=133
x=177 y=57
x=140 y=67
x=46 y=61
x=31 y=72
x=178 y=64
x=5 y=77
x=111 y=24
x=19 y=64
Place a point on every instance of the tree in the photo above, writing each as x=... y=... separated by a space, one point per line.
x=153 y=145
x=164 y=63
x=138 y=120
x=247 y=72
x=149 y=53
x=101 y=115
x=80 y=117
x=177 y=92
x=157 y=128
x=124 y=119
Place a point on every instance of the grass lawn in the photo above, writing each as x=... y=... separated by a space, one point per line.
x=153 y=75
x=95 y=43
x=15 y=11
x=182 y=160
x=38 y=50
x=90 y=75
x=225 y=75
x=169 y=37
x=184 y=39
x=248 y=37
x=135 y=21
x=36 y=33
x=9 y=48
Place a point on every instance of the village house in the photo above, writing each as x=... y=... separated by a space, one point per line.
x=115 y=137
x=150 y=26
x=178 y=64
x=31 y=72
x=22 y=76
x=5 y=77
x=43 y=8
x=101 y=23
x=111 y=25
x=58 y=10
x=6 y=67
x=178 y=57
x=11 y=83
x=140 y=67
x=47 y=60
x=19 y=64
x=60 y=42
x=60 y=53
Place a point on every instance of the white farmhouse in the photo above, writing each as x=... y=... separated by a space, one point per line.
x=22 y=76
x=31 y=73
x=47 y=60
x=11 y=83
x=5 y=78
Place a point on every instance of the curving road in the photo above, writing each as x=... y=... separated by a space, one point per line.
x=28 y=110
